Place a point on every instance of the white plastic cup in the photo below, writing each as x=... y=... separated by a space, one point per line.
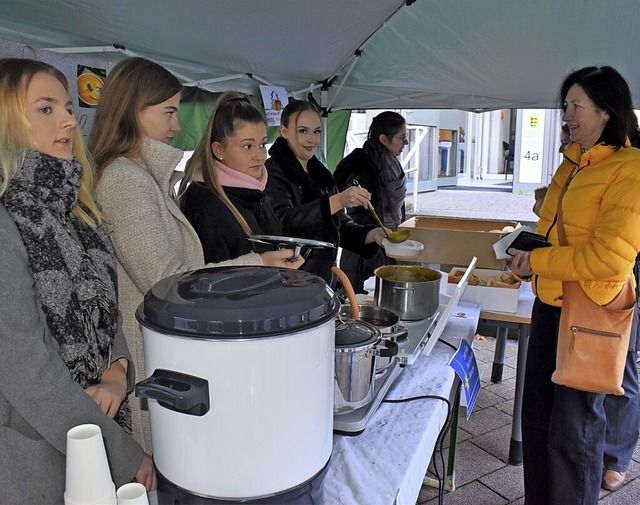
x=132 y=493
x=88 y=478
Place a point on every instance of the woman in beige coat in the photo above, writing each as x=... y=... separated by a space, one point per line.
x=134 y=125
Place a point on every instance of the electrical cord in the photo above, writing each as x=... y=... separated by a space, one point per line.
x=439 y=440
x=455 y=348
x=439 y=445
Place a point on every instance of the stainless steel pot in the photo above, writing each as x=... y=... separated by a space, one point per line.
x=388 y=324
x=358 y=345
x=411 y=292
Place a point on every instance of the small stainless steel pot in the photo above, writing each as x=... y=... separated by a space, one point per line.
x=411 y=292
x=358 y=345
x=388 y=324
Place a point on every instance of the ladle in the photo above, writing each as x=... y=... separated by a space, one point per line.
x=394 y=236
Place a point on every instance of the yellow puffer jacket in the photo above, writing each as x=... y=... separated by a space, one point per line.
x=601 y=214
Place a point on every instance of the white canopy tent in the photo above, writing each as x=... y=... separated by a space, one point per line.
x=463 y=54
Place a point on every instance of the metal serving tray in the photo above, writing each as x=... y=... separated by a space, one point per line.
x=420 y=332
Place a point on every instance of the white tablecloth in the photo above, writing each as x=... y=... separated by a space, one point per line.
x=386 y=463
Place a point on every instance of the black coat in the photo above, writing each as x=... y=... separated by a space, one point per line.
x=301 y=202
x=358 y=166
x=221 y=235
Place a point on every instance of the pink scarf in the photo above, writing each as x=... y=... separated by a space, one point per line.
x=234 y=179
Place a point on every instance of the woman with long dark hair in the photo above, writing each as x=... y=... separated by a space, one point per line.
x=376 y=168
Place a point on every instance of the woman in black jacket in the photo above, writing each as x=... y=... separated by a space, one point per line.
x=222 y=193
x=303 y=194
x=376 y=167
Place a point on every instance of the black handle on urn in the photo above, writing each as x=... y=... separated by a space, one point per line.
x=176 y=391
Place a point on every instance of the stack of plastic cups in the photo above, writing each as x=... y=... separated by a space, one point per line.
x=88 y=478
x=132 y=494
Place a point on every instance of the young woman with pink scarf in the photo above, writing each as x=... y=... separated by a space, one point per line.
x=222 y=193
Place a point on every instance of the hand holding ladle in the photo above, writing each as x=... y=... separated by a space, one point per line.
x=393 y=236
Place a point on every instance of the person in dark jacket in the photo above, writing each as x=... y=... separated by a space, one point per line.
x=222 y=193
x=304 y=196
x=375 y=167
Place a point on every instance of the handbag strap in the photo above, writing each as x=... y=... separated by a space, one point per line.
x=636 y=274
x=562 y=236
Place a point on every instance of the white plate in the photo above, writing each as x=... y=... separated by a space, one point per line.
x=404 y=250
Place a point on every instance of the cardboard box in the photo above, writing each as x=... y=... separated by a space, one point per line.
x=489 y=298
x=455 y=241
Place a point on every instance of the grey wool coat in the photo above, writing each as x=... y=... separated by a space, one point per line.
x=152 y=239
x=39 y=402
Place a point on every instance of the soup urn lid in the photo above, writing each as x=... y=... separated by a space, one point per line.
x=237 y=302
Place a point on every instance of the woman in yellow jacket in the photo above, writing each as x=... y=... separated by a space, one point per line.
x=564 y=428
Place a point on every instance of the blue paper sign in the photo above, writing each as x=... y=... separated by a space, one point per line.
x=465 y=365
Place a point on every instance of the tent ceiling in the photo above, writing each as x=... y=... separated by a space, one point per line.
x=431 y=54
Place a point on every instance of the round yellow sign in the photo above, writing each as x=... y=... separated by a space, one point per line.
x=89 y=87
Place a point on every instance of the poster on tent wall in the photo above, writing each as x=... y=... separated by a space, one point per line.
x=532 y=146
x=89 y=84
x=274 y=99
x=85 y=75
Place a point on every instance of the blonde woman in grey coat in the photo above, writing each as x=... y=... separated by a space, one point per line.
x=135 y=122
x=64 y=360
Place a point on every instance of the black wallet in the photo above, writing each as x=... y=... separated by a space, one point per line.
x=528 y=241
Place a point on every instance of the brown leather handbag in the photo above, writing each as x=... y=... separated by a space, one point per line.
x=593 y=339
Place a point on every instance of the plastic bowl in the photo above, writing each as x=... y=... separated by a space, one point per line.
x=404 y=250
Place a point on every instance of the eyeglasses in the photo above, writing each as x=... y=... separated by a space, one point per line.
x=404 y=138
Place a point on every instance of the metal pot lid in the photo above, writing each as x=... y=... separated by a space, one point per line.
x=355 y=334
x=232 y=302
x=372 y=314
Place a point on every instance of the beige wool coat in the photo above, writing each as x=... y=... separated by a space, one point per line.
x=152 y=240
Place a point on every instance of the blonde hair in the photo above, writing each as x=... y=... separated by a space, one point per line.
x=231 y=110
x=15 y=76
x=132 y=86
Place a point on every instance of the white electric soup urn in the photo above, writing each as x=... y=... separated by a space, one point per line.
x=240 y=373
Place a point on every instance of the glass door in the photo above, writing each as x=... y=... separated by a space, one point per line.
x=448 y=163
x=419 y=160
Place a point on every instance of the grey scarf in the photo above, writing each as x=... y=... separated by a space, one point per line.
x=72 y=265
x=392 y=180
